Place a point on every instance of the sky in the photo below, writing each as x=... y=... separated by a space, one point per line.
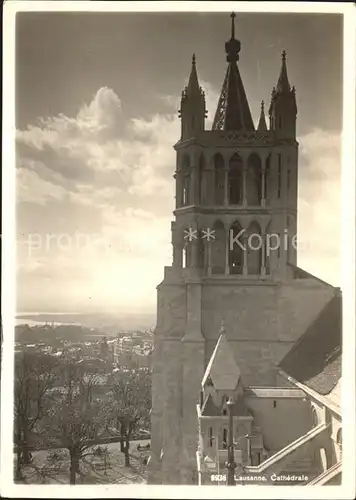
x=97 y=96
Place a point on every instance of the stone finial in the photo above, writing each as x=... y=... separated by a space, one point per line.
x=233 y=15
x=232 y=46
x=222 y=330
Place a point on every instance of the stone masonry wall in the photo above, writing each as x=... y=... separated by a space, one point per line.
x=261 y=320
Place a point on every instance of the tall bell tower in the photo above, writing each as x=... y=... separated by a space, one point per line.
x=235 y=222
x=236 y=179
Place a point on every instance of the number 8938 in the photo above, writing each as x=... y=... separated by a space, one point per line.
x=218 y=477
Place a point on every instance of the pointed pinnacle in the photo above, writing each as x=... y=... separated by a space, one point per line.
x=262 y=121
x=283 y=83
x=193 y=83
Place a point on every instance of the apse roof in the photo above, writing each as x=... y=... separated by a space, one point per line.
x=222 y=368
x=315 y=359
x=239 y=409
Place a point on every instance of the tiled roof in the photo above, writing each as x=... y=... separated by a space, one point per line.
x=233 y=111
x=211 y=410
x=315 y=359
x=222 y=368
x=335 y=395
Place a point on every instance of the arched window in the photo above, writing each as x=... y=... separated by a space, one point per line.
x=186 y=181
x=315 y=419
x=323 y=459
x=219 y=174
x=201 y=250
x=267 y=177
x=339 y=441
x=289 y=237
x=201 y=179
x=254 y=180
x=210 y=437
x=279 y=176
x=269 y=244
x=223 y=405
x=254 y=249
x=184 y=257
x=224 y=439
x=235 y=183
x=288 y=180
x=218 y=246
x=279 y=246
x=235 y=251
x=186 y=250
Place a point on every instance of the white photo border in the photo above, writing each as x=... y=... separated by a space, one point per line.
x=347 y=489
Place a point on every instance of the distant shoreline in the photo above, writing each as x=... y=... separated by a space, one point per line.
x=30 y=314
x=42 y=317
x=106 y=321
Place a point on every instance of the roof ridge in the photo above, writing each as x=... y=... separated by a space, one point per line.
x=222 y=367
x=303 y=335
x=297 y=268
x=315 y=358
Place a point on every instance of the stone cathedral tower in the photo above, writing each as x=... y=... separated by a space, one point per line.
x=236 y=196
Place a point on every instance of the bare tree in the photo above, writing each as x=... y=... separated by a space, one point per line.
x=35 y=374
x=77 y=418
x=131 y=394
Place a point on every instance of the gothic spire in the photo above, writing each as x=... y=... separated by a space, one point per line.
x=193 y=83
x=262 y=122
x=283 y=108
x=233 y=112
x=283 y=82
x=192 y=107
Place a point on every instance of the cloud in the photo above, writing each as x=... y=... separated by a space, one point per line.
x=100 y=171
x=103 y=113
x=319 y=210
x=92 y=149
x=211 y=98
x=34 y=189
